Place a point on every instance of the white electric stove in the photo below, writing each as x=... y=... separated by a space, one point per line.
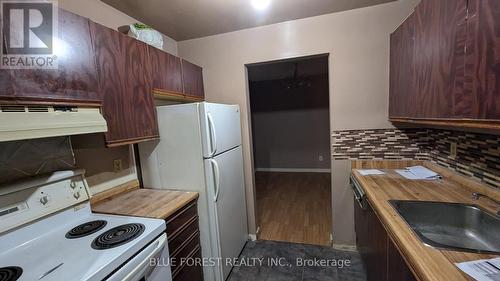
x=49 y=233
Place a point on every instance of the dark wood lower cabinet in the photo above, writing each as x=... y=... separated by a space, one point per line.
x=188 y=273
x=397 y=270
x=381 y=258
x=183 y=235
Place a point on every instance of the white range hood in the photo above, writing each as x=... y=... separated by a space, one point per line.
x=31 y=122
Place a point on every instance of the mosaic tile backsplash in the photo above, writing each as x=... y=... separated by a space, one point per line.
x=478 y=155
x=380 y=144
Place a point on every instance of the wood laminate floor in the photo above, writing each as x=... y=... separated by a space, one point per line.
x=294 y=207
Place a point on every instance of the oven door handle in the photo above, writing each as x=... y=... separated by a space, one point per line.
x=160 y=244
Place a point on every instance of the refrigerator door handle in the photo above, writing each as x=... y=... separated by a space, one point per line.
x=213 y=135
x=216 y=179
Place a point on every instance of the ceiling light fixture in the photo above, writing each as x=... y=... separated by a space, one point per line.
x=261 y=5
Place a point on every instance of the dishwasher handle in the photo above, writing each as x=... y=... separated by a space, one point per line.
x=359 y=193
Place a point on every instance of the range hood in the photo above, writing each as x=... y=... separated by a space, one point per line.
x=31 y=122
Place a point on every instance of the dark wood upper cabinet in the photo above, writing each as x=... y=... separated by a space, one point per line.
x=6 y=86
x=124 y=86
x=174 y=78
x=75 y=80
x=99 y=66
x=482 y=85
x=402 y=91
x=110 y=67
x=440 y=28
x=453 y=62
x=192 y=79
x=166 y=71
x=138 y=90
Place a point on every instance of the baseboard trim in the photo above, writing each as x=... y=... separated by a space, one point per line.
x=293 y=170
x=342 y=247
x=253 y=237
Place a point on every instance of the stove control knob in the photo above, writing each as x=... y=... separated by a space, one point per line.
x=44 y=200
x=76 y=195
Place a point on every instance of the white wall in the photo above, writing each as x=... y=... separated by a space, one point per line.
x=358 y=43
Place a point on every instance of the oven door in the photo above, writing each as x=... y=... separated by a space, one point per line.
x=139 y=269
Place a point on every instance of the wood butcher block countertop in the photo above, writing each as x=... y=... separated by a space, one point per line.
x=150 y=203
x=427 y=263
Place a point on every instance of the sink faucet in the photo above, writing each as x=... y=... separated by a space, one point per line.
x=476 y=196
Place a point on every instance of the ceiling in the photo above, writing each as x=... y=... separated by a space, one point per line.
x=188 y=19
x=285 y=69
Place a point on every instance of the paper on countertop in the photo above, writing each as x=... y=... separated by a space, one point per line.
x=482 y=270
x=368 y=172
x=406 y=174
x=418 y=173
x=423 y=172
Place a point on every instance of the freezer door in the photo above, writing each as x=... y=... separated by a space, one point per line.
x=227 y=207
x=220 y=126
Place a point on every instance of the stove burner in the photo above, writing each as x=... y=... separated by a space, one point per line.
x=85 y=229
x=118 y=236
x=11 y=273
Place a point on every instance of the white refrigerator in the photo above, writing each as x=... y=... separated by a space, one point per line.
x=200 y=150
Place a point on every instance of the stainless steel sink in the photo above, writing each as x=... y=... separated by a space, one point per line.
x=452 y=226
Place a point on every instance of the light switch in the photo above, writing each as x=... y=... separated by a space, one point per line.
x=453 y=150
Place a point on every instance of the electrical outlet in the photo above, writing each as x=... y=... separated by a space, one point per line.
x=453 y=150
x=320 y=158
x=117 y=165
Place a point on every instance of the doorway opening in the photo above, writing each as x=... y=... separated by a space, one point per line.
x=289 y=105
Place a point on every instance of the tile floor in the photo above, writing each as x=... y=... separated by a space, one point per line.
x=292 y=255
